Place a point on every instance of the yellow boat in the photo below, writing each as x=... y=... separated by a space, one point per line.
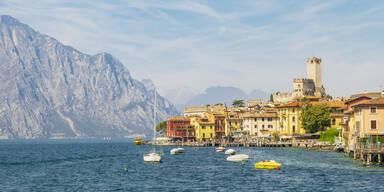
x=138 y=141
x=268 y=165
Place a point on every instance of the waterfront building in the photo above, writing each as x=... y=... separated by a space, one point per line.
x=260 y=124
x=219 y=118
x=233 y=124
x=369 y=118
x=348 y=123
x=204 y=128
x=289 y=119
x=180 y=128
x=201 y=110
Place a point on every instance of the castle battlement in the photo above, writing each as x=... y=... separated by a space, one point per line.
x=309 y=86
x=314 y=60
x=302 y=80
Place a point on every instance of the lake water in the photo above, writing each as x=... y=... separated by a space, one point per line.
x=93 y=165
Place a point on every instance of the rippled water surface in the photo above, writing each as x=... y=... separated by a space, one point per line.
x=99 y=166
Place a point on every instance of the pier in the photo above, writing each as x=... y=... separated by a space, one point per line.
x=368 y=153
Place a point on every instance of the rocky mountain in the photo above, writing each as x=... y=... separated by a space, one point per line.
x=225 y=95
x=49 y=90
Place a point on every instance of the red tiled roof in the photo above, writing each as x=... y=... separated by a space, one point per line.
x=293 y=104
x=377 y=101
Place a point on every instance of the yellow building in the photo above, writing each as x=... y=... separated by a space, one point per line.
x=348 y=123
x=289 y=117
x=204 y=128
x=336 y=119
x=369 y=118
x=233 y=124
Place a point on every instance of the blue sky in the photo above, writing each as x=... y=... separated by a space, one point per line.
x=192 y=45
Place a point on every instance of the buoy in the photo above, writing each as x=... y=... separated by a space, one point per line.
x=125 y=169
x=242 y=163
x=277 y=168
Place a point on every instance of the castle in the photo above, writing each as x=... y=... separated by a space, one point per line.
x=310 y=86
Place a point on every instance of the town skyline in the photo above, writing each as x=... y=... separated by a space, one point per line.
x=223 y=44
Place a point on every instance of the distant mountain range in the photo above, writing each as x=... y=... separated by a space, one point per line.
x=49 y=90
x=213 y=95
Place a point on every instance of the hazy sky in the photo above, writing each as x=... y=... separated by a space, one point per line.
x=247 y=44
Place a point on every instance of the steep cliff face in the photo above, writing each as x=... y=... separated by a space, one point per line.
x=50 y=90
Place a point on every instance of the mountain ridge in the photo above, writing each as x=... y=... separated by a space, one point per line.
x=51 y=90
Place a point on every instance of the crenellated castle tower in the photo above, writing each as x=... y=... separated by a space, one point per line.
x=310 y=86
x=314 y=73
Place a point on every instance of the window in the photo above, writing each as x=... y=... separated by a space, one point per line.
x=235 y=122
x=211 y=135
x=373 y=124
x=262 y=119
x=293 y=110
x=203 y=127
x=293 y=129
x=262 y=126
x=203 y=134
x=373 y=109
x=269 y=118
x=270 y=126
x=211 y=126
x=333 y=121
x=255 y=119
x=255 y=126
x=293 y=119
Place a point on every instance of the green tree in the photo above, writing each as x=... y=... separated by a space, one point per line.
x=305 y=104
x=218 y=104
x=161 y=126
x=316 y=118
x=271 y=98
x=238 y=103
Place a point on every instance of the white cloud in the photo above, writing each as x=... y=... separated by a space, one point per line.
x=197 y=44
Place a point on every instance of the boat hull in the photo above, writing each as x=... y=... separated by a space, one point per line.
x=238 y=158
x=152 y=157
x=230 y=152
x=267 y=165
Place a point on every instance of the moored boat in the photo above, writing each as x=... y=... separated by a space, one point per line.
x=180 y=150
x=238 y=158
x=138 y=141
x=174 y=151
x=220 y=149
x=268 y=165
x=152 y=157
x=230 y=152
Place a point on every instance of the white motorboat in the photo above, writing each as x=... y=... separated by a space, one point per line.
x=238 y=158
x=153 y=156
x=174 y=151
x=180 y=150
x=220 y=149
x=230 y=152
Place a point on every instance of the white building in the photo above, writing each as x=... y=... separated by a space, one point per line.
x=260 y=124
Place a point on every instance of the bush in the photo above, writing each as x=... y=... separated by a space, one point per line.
x=329 y=135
